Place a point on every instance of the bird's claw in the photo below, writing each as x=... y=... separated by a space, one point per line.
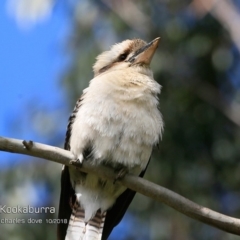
x=78 y=161
x=121 y=174
x=75 y=161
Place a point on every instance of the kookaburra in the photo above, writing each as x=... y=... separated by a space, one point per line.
x=115 y=123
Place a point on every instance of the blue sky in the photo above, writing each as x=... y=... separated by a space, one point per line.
x=31 y=63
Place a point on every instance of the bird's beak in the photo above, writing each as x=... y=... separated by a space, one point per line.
x=144 y=55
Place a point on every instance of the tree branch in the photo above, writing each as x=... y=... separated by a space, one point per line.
x=149 y=189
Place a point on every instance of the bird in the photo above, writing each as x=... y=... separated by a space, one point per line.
x=115 y=123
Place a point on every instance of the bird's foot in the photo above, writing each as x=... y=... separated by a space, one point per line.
x=120 y=174
x=77 y=162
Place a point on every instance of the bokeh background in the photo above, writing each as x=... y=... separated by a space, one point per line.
x=47 y=49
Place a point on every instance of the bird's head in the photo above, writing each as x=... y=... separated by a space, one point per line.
x=134 y=53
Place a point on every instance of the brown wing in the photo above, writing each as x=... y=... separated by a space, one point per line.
x=64 y=212
x=67 y=194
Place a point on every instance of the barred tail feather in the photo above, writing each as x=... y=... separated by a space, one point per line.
x=94 y=227
x=79 y=230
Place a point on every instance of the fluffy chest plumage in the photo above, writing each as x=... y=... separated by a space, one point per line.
x=118 y=120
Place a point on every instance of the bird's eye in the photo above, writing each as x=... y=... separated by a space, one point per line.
x=122 y=57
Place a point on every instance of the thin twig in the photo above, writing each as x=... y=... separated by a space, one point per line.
x=130 y=14
x=149 y=189
x=225 y=12
x=27 y=144
x=212 y=95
